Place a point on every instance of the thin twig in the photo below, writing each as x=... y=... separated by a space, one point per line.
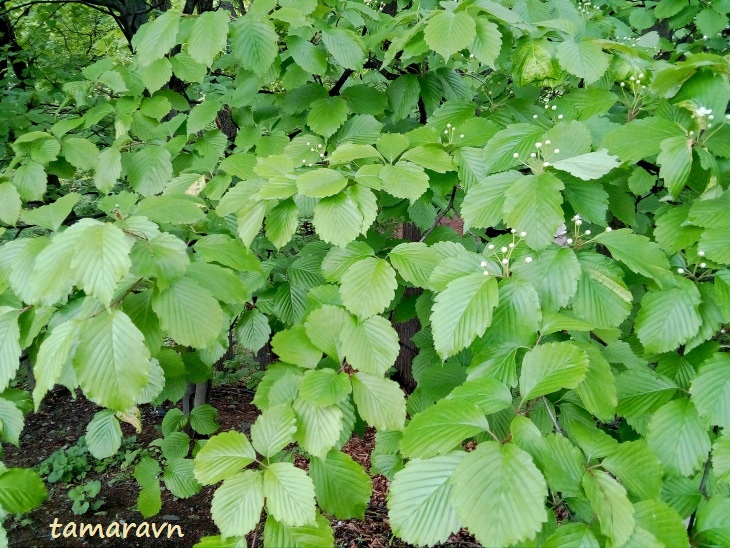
x=449 y=207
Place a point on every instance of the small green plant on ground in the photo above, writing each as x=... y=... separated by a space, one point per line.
x=83 y=497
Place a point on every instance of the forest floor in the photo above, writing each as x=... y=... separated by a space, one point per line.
x=60 y=422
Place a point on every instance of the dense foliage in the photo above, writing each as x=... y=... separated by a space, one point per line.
x=280 y=172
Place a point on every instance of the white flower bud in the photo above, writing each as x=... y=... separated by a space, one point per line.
x=554 y=107
x=587 y=232
x=515 y=155
x=448 y=125
x=711 y=117
x=486 y=273
x=632 y=78
x=446 y=131
x=560 y=116
x=309 y=144
x=641 y=75
x=513 y=231
x=609 y=229
x=538 y=145
x=569 y=240
x=546 y=164
x=503 y=250
x=504 y=261
x=461 y=136
x=319 y=146
x=622 y=84
x=511 y=245
x=528 y=259
x=556 y=151
x=523 y=234
x=534 y=116
x=680 y=271
x=533 y=155
x=703 y=265
x=304 y=161
x=483 y=264
x=701 y=253
x=578 y=222
x=547 y=141
x=490 y=246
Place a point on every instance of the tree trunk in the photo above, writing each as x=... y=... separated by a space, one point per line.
x=265 y=356
x=8 y=39
x=406 y=330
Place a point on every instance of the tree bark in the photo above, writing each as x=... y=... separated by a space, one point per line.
x=406 y=330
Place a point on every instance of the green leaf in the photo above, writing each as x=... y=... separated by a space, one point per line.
x=637 y=468
x=293 y=346
x=642 y=391
x=598 y=391
x=103 y=435
x=533 y=61
x=337 y=219
x=318 y=535
x=584 y=59
x=447 y=32
x=550 y=367
x=554 y=274
x=414 y=261
x=602 y=298
x=237 y=504
x=102 y=261
x=441 y=428
x=462 y=312
x=675 y=160
x=488 y=394
x=483 y=203
x=370 y=345
x=532 y=205
x=324 y=387
x=289 y=494
x=714 y=243
x=404 y=180
x=155 y=39
x=189 y=313
x=327 y=115
x=499 y=494
x=111 y=360
x=711 y=390
x=678 y=437
x=10 y=204
x=431 y=157
x=9 y=345
x=11 y=422
x=721 y=457
x=318 y=428
x=342 y=487
x=308 y=56
x=487 y=41
x=222 y=456
x=108 y=169
x=273 y=430
x=254 y=43
x=282 y=222
x=662 y=521
x=21 y=490
x=164 y=257
x=176 y=445
x=368 y=286
x=637 y=252
x=346 y=47
x=202 y=116
x=572 y=534
x=252 y=330
x=50 y=216
x=668 y=318
x=80 y=153
x=420 y=504
x=640 y=138
x=208 y=36
x=592 y=165
x=320 y=183
x=54 y=354
x=609 y=501
x=379 y=401
x=30 y=179
x=149 y=170
x=179 y=478
x=203 y=419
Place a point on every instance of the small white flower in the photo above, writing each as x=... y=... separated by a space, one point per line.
x=727 y=117
x=578 y=222
x=722 y=331
x=641 y=75
x=546 y=164
x=511 y=245
x=310 y=164
x=704 y=37
x=538 y=145
x=304 y=161
x=711 y=117
x=691 y=133
x=703 y=265
x=533 y=155
x=547 y=106
x=486 y=273
x=632 y=78
x=513 y=231
x=560 y=116
x=446 y=131
x=321 y=155
x=528 y=259
x=503 y=250
x=471 y=56
x=638 y=81
x=309 y=144
x=556 y=151
x=523 y=234
x=515 y=155
x=680 y=271
x=461 y=136
x=504 y=261
x=622 y=84
x=483 y=264
x=547 y=141
x=587 y=232
x=709 y=126
x=319 y=146
x=701 y=253
x=490 y=246
x=569 y=240
x=534 y=116
x=609 y=229
x=554 y=107
x=448 y=125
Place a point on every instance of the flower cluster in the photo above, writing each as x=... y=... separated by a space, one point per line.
x=313 y=148
x=503 y=255
x=450 y=133
x=538 y=154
